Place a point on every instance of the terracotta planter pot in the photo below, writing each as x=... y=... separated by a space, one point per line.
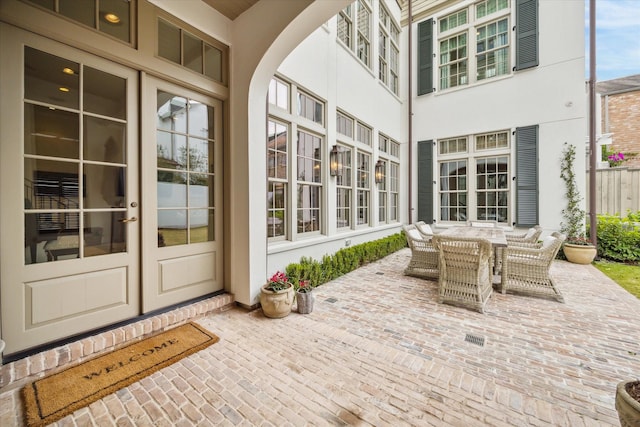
x=628 y=408
x=579 y=254
x=305 y=302
x=276 y=304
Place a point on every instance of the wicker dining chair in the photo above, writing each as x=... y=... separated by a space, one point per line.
x=527 y=239
x=526 y=270
x=424 y=257
x=465 y=272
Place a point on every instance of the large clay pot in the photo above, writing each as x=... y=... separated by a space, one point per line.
x=579 y=254
x=276 y=304
x=628 y=408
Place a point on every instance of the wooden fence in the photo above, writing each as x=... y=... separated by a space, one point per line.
x=617 y=190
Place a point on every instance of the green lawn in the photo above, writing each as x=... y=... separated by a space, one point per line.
x=627 y=276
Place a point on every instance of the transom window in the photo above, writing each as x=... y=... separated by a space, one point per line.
x=452 y=145
x=279 y=94
x=107 y=16
x=492 y=140
x=184 y=48
x=310 y=108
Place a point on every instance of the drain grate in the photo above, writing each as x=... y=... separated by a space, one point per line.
x=474 y=339
x=331 y=300
x=380 y=273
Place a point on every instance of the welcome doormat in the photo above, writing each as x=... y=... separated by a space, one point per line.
x=57 y=395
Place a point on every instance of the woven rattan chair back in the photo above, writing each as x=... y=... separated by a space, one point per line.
x=424 y=257
x=465 y=273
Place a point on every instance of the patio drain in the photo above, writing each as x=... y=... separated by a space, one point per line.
x=474 y=339
x=331 y=300
x=380 y=273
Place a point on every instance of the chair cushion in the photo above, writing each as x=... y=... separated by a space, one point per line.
x=414 y=234
x=547 y=242
x=530 y=233
x=425 y=228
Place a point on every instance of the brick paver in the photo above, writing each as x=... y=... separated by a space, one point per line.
x=379 y=350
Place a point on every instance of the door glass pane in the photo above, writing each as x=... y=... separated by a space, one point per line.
x=104 y=233
x=172 y=112
x=50 y=79
x=51 y=132
x=172 y=227
x=104 y=93
x=172 y=189
x=104 y=186
x=172 y=150
x=200 y=155
x=200 y=191
x=200 y=120
x=104 y=140
x=201 y=225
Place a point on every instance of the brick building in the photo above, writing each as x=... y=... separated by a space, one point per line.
x=620 y=116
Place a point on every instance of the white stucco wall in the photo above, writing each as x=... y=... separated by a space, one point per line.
x=551 y=95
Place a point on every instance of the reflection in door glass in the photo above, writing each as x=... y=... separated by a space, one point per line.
x=74 y=205
x=184 y=142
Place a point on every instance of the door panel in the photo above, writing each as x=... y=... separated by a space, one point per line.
x=182 y=178
x=69 y=184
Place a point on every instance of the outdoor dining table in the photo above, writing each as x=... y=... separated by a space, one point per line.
x=495 y=235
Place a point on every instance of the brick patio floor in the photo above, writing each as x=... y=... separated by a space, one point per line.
x=378 y=350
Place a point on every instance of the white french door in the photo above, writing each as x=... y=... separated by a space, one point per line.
x=182 y=198
x=70 y=249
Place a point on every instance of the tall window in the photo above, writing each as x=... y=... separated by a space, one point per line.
x=460 y=60
x=364 y=33
x=363 y=177
x=277 y=173
x=309 y=188
x=388 y=51
x=394 y=191
x=474 y=179
x=345 y=25
x=383 y=195
x=344 y=189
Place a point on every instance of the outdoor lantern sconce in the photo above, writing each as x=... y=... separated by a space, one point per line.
x=335 y=162
x=379 y=171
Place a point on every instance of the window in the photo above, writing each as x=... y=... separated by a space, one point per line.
x=279 y=94
x=191 y=51
x=345 y=25
x=277 y=168
x=364 y=33
x=108 y=17
x=363 y=176
x=460 y=61
x=389 y=51
x=474 y=181
x=394 y=191
x=344 y=125
x=361 y=25
x=309 y=188
x=344 y=189
x=383 y=195
x=363 y=134
x=310 y=108
x=388 y=188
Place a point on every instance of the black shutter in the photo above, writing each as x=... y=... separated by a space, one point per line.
x=527 y=176
x=526 y=34
x=425 y=57
x=425 y=181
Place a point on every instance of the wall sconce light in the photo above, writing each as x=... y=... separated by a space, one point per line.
x=379 y=171
x=335 y=162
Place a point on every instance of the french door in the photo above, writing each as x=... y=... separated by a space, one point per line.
x=69 y=188
x=182 y=177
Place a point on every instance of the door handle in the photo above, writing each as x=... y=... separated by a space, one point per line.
x=132 y=219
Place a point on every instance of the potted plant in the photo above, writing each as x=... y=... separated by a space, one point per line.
x=304 y=296
x=276 y=297
x=576 y=248
x=628 y=403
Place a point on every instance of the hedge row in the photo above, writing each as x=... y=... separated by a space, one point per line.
x=344 y=260
x=619 y=238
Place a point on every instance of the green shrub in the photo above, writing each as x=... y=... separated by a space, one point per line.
x=344 y=260
x=619 y=238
